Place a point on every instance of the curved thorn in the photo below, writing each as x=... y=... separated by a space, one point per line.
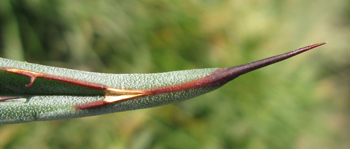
x=32 y=79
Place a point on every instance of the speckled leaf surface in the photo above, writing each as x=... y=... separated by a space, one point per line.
x=50 y=99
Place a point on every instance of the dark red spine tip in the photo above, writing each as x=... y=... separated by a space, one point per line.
x=225 y=75
x=245 y=68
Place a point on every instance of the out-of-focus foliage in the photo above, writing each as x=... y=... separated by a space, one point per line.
x=300 y=103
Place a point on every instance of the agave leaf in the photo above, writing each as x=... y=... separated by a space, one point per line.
x=33 y=92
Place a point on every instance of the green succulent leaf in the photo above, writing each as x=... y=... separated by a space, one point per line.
x=33 y=92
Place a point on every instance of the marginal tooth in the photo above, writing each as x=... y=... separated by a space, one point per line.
x=32 y=79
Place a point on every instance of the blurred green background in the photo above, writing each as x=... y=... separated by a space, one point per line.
x=299 y=103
